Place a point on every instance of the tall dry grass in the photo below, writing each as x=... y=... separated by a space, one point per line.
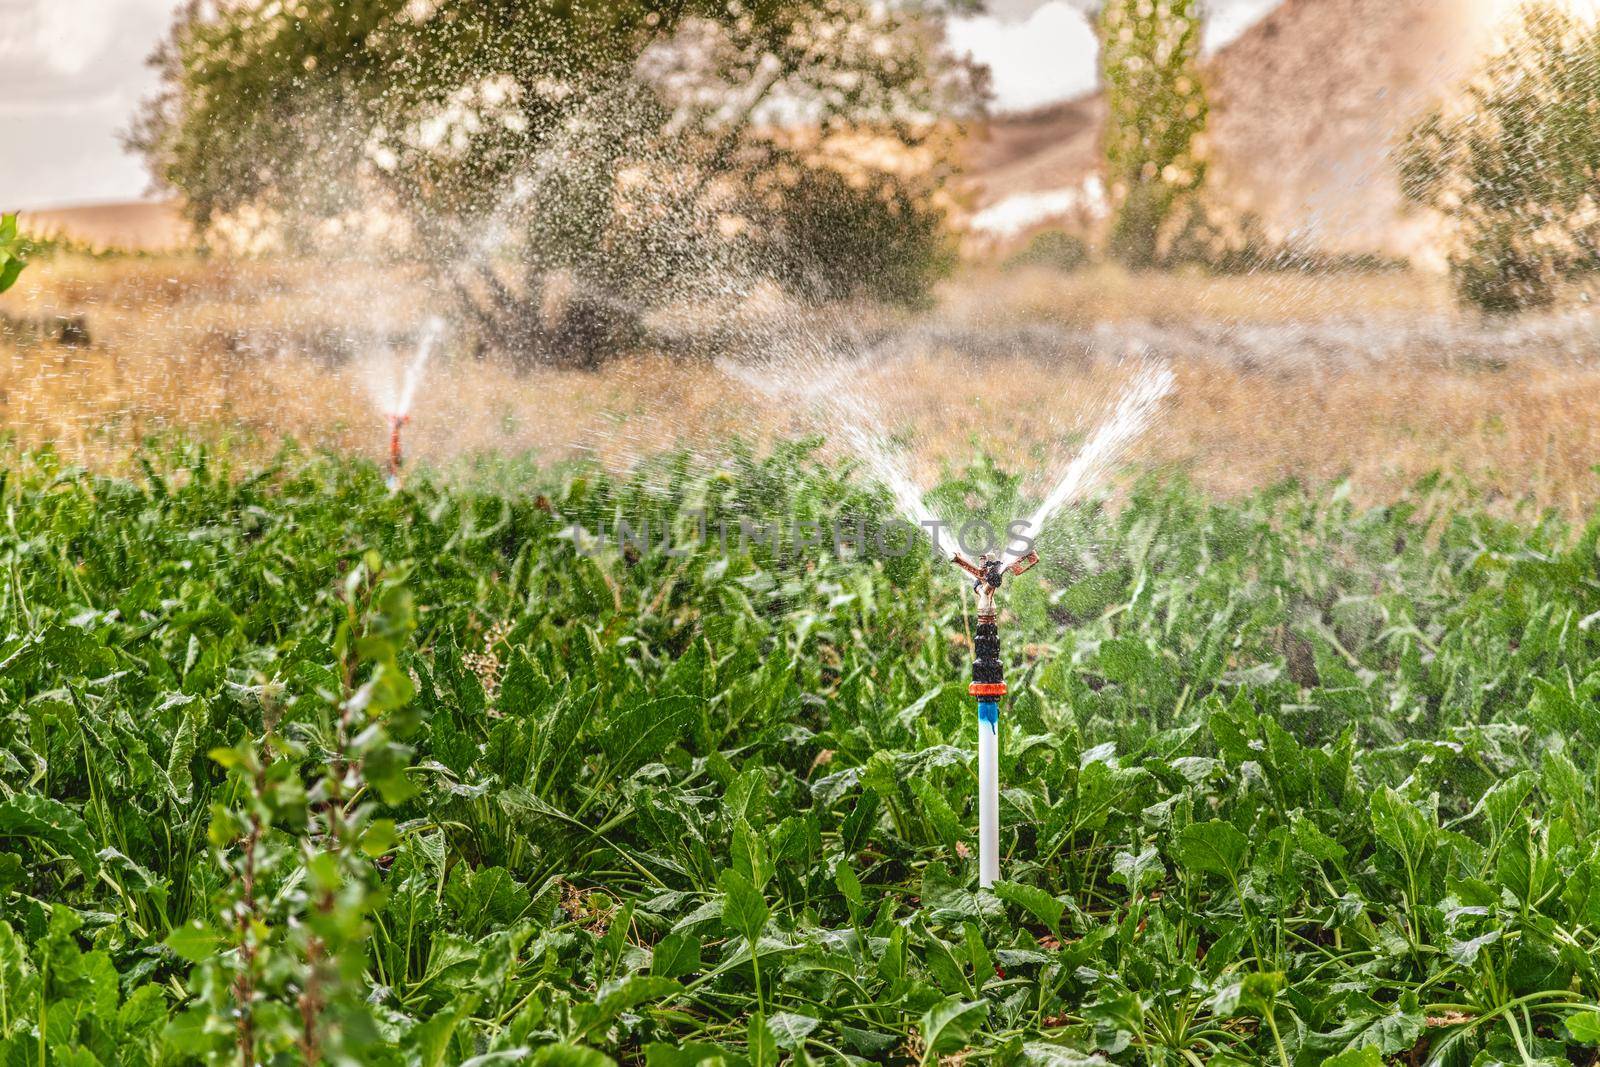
x=249 y=353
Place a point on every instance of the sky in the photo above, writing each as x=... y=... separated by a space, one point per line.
x=72 y=73
x=1044 y=50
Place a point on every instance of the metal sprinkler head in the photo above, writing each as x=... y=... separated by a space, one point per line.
x=989 y=572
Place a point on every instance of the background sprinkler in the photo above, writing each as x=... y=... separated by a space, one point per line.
x=988 y=686
x=397 y=457
x=399 y=411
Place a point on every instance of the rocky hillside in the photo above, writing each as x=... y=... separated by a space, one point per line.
x=1306 y=107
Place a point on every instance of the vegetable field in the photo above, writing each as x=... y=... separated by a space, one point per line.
x=298 y=771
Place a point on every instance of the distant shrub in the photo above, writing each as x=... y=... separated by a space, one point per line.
x=37 y=246
x=1055 y=249
x=1231 y=242
x=1513 y=165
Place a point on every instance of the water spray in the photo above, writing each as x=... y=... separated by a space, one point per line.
x=1133 y=413
x=829 y=384
x=988 y=686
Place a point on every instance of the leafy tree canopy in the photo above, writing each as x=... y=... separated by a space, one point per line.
x=637 y=147
x=1149 y=58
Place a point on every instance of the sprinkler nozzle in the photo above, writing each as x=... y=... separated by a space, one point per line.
x=1023 y=565
x=967 y=565
x=397 y=457
x=988 y=686
x=989 y=571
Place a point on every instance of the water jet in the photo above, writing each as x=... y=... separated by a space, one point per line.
x=396 y=406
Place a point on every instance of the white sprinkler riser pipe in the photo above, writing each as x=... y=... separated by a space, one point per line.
x=988 y=803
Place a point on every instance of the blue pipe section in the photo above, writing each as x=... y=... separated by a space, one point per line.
x=989 y=714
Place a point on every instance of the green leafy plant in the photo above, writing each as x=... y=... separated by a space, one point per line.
x=281 y=968
x=264 y=797
x=12 y=252
x=1055 y=249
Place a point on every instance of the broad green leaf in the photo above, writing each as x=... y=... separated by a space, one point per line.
x=1466 y=952
x=194 y=941
x=978 y=957
x=1401 y=825
x=524 y=689
x=1039 y=1054
x=180 y=777
x=189 y=1032
x=1250 y=994
x=552 y=1056
x=1361 y=1057
x=761 y=1042
x=675 y=955
x=948 y=1026
x=849 y=885
x=790 y=1029
x=1391 y=1033
x=1584 y=1026
x=625 y=994
x=11 y=261
x=938 y=812
x=751 y=856
x=743 y=909
x=690 y=1054
x=1137 y=871
x=431 y=1037
x=1310 y=839
x=29 y=815
x=1041 y=905
x=1117 y=1021
x=1214 y=847
x=640 y=732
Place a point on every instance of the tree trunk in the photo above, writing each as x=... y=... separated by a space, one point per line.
x=580 y=329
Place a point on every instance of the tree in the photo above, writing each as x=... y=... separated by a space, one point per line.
x=1149 y=53
x=1513 y=163
x=638 y=151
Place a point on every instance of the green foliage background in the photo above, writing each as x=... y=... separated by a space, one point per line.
x=293 y=767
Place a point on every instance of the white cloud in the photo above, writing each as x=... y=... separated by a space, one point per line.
x=1042 y=52
x=62 y=37
x=1230 y=19
x=71 y=74
x=1049 y=55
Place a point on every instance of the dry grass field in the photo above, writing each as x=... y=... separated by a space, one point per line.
x=1370 y=377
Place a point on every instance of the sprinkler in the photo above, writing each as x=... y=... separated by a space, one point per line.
x=988 y=686
x=397 y=456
